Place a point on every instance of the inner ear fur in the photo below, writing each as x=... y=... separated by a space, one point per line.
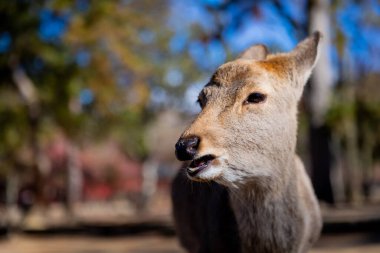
x=298 y=63
x=257 y=52
x=305 y=54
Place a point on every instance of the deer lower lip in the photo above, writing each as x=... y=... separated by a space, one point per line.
x=199 y=164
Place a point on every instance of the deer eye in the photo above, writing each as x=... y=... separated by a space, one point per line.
x=255 y=98
x=202 y=100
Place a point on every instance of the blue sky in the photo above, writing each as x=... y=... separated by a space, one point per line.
x=52 y=25
x=360 y=24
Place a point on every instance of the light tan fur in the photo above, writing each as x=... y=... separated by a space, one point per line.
x=254 y=145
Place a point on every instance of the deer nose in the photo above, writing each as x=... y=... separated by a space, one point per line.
x=186 y=148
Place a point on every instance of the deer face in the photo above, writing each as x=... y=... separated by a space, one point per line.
x=247 y=126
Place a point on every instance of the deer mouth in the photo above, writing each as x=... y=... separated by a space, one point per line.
x=199 y=164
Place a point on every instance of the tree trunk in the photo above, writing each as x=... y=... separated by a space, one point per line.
x=12 y=188
x=367 y=160
x=74 y=179
x=29 y=94
x=318 y=102
x=354 y=174
x=150 y=179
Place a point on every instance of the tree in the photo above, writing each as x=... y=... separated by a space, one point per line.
x=84 y=70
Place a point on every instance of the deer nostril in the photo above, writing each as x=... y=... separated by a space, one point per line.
x=186 y=148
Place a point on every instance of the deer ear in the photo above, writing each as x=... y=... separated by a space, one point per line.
x=257 y=52
x=305 y=55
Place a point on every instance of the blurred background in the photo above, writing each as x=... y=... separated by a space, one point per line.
x=94 y=94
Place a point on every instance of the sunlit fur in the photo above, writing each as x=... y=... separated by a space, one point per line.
x=254 y=144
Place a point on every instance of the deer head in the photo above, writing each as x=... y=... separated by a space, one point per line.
x=248 y=123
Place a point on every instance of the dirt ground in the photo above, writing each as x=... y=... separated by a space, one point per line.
x=157 y=244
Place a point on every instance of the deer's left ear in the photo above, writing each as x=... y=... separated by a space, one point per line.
x=257 y=52
x=305 y=56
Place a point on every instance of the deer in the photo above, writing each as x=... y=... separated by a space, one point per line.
x=243 y=188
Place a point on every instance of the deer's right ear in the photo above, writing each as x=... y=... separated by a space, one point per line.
x=305 y=55
x=256 y=52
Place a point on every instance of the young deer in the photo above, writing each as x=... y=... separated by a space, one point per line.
x=258 y=197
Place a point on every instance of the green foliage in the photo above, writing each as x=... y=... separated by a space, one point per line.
x=356 y=103
x=118 y=73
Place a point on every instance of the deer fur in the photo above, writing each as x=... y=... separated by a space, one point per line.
x=255 y=196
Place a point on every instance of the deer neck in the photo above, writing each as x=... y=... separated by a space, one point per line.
x=266 y=212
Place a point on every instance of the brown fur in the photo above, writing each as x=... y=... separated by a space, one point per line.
x=274 y=207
